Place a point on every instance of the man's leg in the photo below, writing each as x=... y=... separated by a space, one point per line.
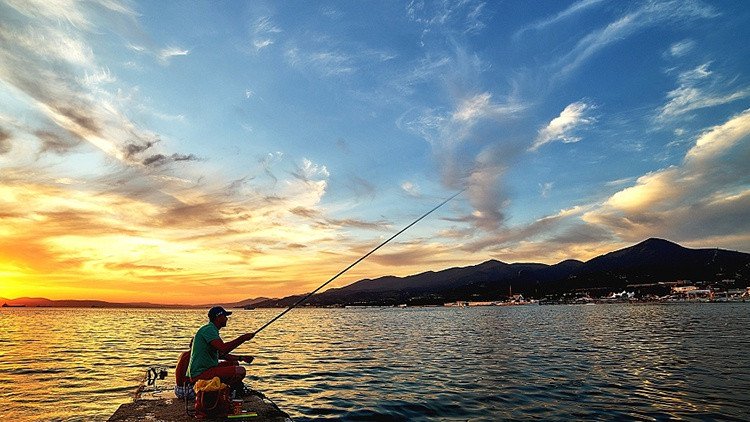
x=229 y=374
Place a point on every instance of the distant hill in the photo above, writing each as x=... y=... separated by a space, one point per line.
x=43 y=302
x=651 y=261
x=48 y=303
x=244 y=303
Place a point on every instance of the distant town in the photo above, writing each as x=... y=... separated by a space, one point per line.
x=679 y=291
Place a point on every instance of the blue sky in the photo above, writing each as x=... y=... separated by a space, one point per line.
x=262 y=146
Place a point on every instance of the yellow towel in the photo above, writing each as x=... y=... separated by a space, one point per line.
x=214 y=385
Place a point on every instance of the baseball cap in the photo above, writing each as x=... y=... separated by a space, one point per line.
x=217 y=311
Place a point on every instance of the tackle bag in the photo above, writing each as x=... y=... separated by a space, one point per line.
x=212 y=399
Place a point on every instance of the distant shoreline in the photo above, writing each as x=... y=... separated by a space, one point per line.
x=187 y=308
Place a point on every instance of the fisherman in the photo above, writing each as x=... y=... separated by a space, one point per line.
x=208 y=348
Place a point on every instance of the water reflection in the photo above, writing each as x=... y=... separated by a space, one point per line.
x=549 y=362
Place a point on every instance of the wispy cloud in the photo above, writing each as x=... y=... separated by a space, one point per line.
x=166 y=54
x=264 y=33
x=545 y=189
x=563 y=127
x=699 y=88
x=465 y=16
x=467 y=139
x=648 y=15
x=327 y=63
x=681 y=48
x=411 y=189
x=568 y=13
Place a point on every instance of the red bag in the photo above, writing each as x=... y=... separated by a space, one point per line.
x=212 y=404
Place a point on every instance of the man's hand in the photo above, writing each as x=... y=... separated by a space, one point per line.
x=247 y=359
x=247 y=336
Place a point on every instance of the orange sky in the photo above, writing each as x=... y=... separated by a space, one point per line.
x=77 y=242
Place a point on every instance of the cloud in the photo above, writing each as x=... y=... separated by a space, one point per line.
x=268 y=161
x=361 y=187
x=464 y=17
x=324 y=62
x=264 y=31
x=648 y=15
x=570 y=12
x=52 y=142
x=480 y=106
x=699 y=88
x=306 y=212
x=562 y=127
x=681 y=48
x=411 y=189
x=469 y=141
x=702 y=200
x=5 y=141
x=166 y=54
x=359 y=224
x=161 y=159
x=704 y=194
x=545 y=189
x=133 y=149
x=43 y=60
x=309 y=171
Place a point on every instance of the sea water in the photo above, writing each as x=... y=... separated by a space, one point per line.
x=601 y=362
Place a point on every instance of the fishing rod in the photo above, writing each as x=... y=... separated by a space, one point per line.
x=356 y=262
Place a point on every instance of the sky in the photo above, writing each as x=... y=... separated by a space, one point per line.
x=198 y=152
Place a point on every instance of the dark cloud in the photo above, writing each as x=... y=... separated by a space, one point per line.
x=273 y=199
x=267 y=161
x=52 y=142
x=359 y=224
x=361 y=187
x=183 y=157
x=82 y=223
x=5 y=144
x=161 y=159
x=305 y=212
x=133 y=149
x=205 y=214
x=343 y=145
x=331 y=222
x=80 y=118
x=132 y=266
x=235 y=186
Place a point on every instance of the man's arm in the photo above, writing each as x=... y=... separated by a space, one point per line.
x=225 y=348
x=237 y=358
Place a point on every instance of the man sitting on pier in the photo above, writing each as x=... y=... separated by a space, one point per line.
x=208 y=347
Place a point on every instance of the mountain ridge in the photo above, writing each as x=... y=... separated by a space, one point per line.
x=652 y=261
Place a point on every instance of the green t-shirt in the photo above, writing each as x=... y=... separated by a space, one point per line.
x=203 y=356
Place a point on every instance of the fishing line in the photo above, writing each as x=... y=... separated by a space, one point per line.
x=356 y=262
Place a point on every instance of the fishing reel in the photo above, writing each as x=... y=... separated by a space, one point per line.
x=155 y=373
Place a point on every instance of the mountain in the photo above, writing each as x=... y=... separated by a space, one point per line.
x=243 y=303
x=649 y=262
x=48 y=303
x=659 y=260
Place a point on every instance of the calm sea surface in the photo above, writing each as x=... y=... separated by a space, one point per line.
x=603 y=362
